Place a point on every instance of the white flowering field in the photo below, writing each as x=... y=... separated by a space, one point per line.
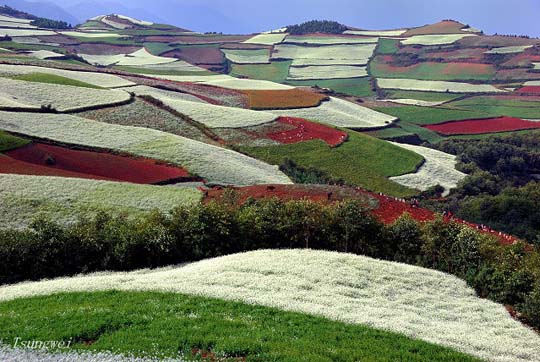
x=341 y=113
x=225 y=81
x=321 y=62
x=417 y=302
x=379 y=33
x=267 y=38
x=247 y=56
x=10 y=354
x=436 y=86
x=15 y=20
x=161 y=94
x=434 y=39
x=532 y=83
x=414 y=102
x=439 y=168
x=359 y=52
x=98 y=79
x=33 y=95
x=140 y=57
x=135 y=21
x=328 y=40
x=509 y=50
x=326 y=72
x=179 y=65
x=216 y=116
x=25 y=32
x=44 y=54
x=82 y=34
x=22 y=198
x=214 y=164
x=12 y=24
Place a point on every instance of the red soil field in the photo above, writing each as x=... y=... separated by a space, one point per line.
x=486 y=125
x=98 y=165
x=193 y=39
x=387 y=209
x=516 y=74
x=522 y=60
x=283 y=99
x=494 y=41
x=13 y=166
x=442 y=27
x=529 y=89
x=455 y=55
x=306 y=131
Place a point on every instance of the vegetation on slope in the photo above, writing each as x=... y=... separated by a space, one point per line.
x=50 y=24
x=361 y=160
x=505 y=274
x=131 y=322
x=317 y=26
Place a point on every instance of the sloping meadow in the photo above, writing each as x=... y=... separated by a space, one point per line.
x=214 y=164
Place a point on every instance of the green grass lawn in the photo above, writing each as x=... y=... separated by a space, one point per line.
x=358 y=87
x=166 y=325
x=275 y=71
x=362 y=160
x=53 y=79
x=387 y=46
x=9 y=142
x=422 y=96
x=499 y=107
x=431 y=115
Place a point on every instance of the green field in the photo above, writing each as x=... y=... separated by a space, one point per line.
x=362 y=160
x=275 y=71
x=157 y=48
x=136 y=70
x=9 y=142
x=500 y=107
x=133 y=322
x=390 y=132
x=428 y=71
x=424 y=133
x=387 y=46
x=422 y=96
x=431 y=115
x=358 y=87
x=53 y=79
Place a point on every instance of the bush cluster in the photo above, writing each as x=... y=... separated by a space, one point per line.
x=317 y=26
x=506 y=274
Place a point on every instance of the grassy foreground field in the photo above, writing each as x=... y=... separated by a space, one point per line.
x=362 y=160
x=131 y=323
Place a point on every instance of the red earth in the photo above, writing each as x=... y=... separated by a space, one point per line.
x=59 y=161
x=13 y=166
x=480 y=126
x=529 y=89
x=306 y=131
x=387 y=209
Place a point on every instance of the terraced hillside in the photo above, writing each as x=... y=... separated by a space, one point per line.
x=200 y=176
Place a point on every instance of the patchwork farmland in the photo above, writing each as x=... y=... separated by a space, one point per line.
x=318 y=192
